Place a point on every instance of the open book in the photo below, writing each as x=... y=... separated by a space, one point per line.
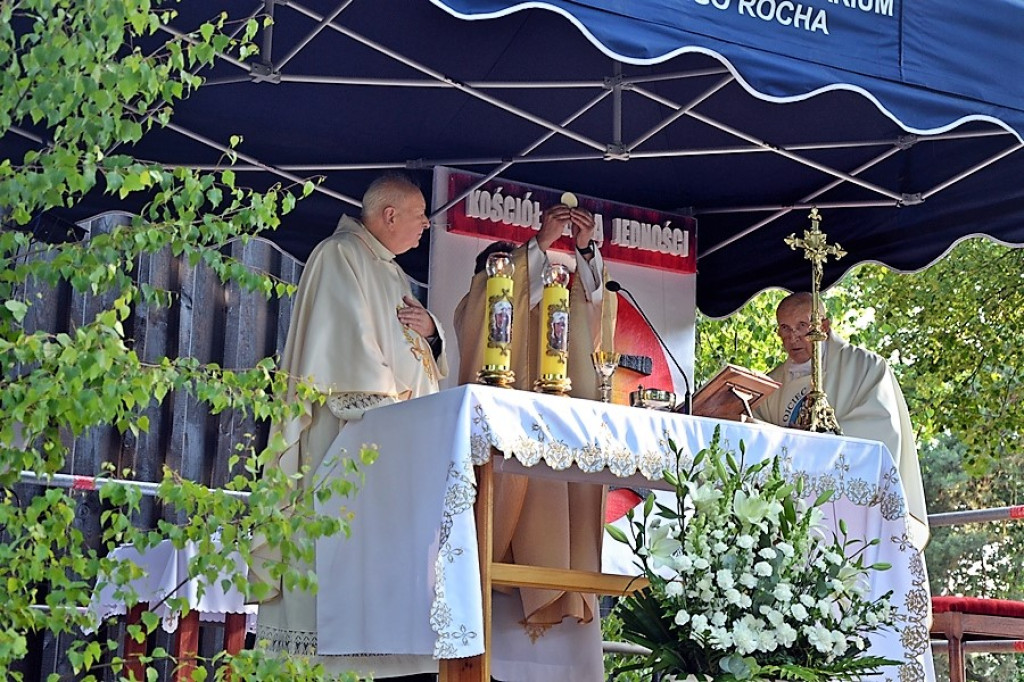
x=732 y=393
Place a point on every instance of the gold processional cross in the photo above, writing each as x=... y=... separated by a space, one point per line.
x=816 y=414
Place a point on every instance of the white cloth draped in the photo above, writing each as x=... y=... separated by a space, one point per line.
x=407 y=581
x=165 y=576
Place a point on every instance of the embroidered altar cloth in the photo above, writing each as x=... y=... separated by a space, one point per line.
x=407 y=581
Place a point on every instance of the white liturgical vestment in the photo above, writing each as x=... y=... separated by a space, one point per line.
x=345 y=338
x=868 y=403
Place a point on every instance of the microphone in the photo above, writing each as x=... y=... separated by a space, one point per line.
x=614 y=287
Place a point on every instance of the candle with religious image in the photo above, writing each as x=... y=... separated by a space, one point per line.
x=554 y=328
x=498 y=321
x=498 y=325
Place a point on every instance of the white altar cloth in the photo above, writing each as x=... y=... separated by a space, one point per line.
x=407 y=580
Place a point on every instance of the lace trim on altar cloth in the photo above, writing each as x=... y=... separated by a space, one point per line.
x=913 y=627
x=353 y=405
x=533 y=441
x=460 y=492
x=303 y=643
x=297 y=642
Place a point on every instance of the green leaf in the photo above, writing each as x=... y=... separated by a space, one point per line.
x=18 y=309
x=617 y=533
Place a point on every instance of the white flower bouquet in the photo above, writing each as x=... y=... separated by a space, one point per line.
x=745 y=581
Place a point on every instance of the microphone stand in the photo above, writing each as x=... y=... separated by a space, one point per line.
x=614 y=287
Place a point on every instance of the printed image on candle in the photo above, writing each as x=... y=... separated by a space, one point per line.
x=558 y=331
x=500 y=329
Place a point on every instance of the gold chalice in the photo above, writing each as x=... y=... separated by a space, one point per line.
x=605 y=363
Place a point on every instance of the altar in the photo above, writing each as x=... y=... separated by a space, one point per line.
x=407 y=581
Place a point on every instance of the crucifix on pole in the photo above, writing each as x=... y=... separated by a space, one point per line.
x=816 y=414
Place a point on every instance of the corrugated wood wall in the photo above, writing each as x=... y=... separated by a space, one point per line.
x=209 y=321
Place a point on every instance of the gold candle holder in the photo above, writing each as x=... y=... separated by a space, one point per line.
x=497 y=369
x=554 y=332
x=605 y=363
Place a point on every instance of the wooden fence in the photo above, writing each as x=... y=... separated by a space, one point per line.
x=208 y=321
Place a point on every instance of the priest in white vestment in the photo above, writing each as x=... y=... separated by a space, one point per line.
x=862 y=390
x=358 y=335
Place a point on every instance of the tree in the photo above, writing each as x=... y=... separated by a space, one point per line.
x=85 y=80
x=951 y=333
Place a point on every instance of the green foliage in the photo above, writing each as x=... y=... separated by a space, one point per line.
x=953 y=334
x=977 y=559
x=90 y=78
x=611 y=631
x=746 y=338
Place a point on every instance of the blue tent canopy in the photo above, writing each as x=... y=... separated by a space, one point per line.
x=901 y=122
x=930 y=65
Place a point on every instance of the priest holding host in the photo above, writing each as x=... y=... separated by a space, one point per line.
x=539 y=521
x=862 y=390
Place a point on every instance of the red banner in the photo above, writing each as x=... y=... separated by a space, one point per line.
x=499 y=209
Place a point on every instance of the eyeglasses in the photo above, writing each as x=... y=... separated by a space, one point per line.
x=801 y=329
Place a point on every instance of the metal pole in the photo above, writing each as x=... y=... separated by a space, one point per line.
x=976 y=516
x=91 y=483
x=983 y=646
